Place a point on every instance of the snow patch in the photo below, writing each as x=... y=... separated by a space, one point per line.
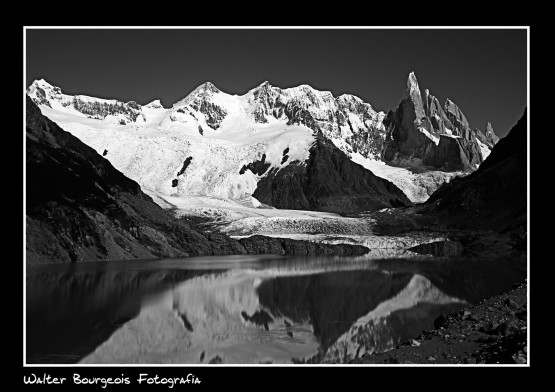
x=418 y=187
x=484 y=149
x=433 y=138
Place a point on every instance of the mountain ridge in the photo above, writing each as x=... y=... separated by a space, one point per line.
x=208 y=126
x=494 y=197
x=268 y=100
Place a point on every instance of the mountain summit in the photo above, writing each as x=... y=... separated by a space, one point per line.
x=421 y=132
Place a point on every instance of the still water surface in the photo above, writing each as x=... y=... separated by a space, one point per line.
x=244 y=309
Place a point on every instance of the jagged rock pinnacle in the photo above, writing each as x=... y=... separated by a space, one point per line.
x=413 y=93
x=412 y=82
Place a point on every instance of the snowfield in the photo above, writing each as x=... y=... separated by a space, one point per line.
x=485 y=151
x=154 y=156
x=417 y=186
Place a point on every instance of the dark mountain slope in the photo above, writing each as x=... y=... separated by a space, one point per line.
x=328 y=181
x=494 y=196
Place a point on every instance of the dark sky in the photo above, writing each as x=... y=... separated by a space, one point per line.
x=482 y=70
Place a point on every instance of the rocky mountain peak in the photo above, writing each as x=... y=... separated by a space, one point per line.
x=156 y=104
x=202 y=93
x=491 y=137
x=42 y=92
x=457 y=118
x=420 y=132
x=413 y=90
x=264 y=90
x=200 y=100
x=40 y=83
x=412 y=82
x=413 y=94
x=208 y=87
x=450 y=106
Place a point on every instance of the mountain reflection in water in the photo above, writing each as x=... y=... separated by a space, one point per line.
x=248 y=309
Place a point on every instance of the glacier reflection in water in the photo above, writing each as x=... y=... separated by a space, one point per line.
x=245 y=309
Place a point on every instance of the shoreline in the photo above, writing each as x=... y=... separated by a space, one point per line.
x=494 y=331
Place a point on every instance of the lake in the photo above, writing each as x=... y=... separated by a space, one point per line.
x=246 y=309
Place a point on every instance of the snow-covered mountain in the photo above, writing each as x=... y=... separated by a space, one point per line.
x=216 y=144
x=346 y=120
x=108 y=110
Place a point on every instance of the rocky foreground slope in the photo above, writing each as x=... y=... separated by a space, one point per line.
x=494 y=331
x=80 y=208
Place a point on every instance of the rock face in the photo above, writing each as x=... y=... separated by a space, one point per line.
x=346 y=120
x=421 y=132
x=494 y=196
x=488 y=137
x=328 y=181
x=200 y=101
x=80 y=208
